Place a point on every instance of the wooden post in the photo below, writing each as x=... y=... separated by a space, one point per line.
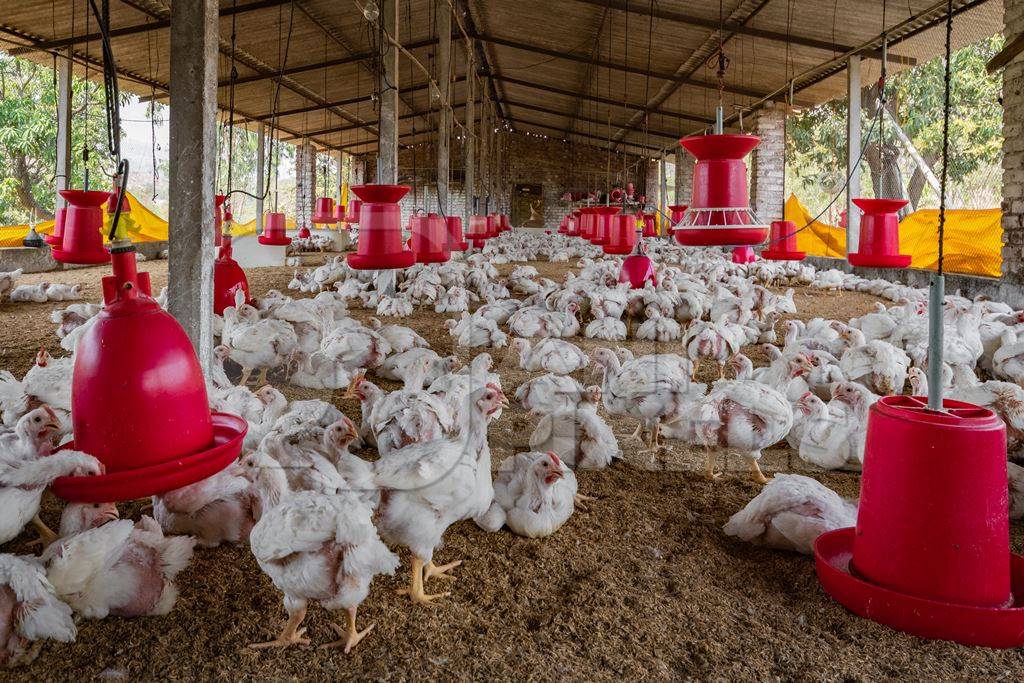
x=261 y=162
x=469 y=139
x=444 y=81
x=853 y=153
x=485 y=151
x=63 y=127
x=662 y=196
x=387 y=153
x=194 y=61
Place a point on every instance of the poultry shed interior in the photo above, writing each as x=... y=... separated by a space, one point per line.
x=480 y=340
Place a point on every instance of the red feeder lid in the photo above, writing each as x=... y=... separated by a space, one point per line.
x=82 y=239
x=706 y=147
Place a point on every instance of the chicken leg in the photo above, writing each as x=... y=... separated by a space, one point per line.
x=46 y=534
x=261 y=379
x=244 y=379
x=415 y=590
x=350 y=637
x=755 y=470
x=441 y=572
x=291 y=634
x=709 y=465
x=580 y=501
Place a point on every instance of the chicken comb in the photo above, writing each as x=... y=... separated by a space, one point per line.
x=554 y=458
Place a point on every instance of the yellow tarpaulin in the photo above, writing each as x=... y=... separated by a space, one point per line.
x=973 y=238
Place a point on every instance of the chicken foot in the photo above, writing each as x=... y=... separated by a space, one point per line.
x=350 y=637
x=432 y=570
x=261 y=379
x=709 y=465
x=244 y=379
x=580 y=501
x=415 y=590
x=755 y=470
x=290 y=635
x=46 y=534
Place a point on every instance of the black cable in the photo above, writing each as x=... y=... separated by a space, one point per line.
x=948 y=77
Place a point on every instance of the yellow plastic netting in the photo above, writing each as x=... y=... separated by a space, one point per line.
x=973 y=238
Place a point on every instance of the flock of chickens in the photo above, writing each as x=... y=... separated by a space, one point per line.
x=322 y=521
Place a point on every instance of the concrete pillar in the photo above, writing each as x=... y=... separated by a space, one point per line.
x=663 y=196
x=853 y=145
x=485 y=150
x=469 y=139
x=305 y=184
x=193 y=166
x=684 y=176
x=387 y=153
x=444 y=126
x=768 y=180
x=341 y=178
x=261 y=167
x=64 y=151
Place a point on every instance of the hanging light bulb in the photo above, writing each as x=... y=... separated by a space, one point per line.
x=371 y=11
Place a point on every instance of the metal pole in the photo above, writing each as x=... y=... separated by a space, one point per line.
x=936 y=332
x=469 y=138
x=387 y=153
x=444 y=53
x=63 y=126
x=853 y=153
x=261 y=160
x=719 y=120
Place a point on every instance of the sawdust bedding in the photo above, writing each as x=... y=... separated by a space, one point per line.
x=643 y=586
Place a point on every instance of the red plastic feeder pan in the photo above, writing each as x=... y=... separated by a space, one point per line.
x=274 y=234
x=324 y=213
x=56 y=238
x=930 y=554
x=720 y=214
x=573 y=225
x=380 y=234
x=602 y=226
x=588 y=222
x=621 y=234
x=82 y=238
x=430 y=239
x=879 y=245
x=139 y=402
x=782 y=243
x=456 y=242
x=352 y=211
x=477 y=232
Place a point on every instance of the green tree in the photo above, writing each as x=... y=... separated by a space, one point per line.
x=28 y=133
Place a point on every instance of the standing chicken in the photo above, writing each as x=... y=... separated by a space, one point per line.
x=324 y=548
x=427 y=487
x=534 y=495
x=550 y=355
x=878 y=365
x=29 y=611
x=790 y=512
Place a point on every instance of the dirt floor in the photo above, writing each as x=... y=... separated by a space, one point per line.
x=644 y=586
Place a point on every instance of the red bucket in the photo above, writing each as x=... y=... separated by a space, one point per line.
x=879 y=245
x=380 y=244
x=82 y=239
x=782 y=243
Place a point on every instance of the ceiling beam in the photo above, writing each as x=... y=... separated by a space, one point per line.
x=552 y=112
x=643 y=9
x=564 y=132
x=486 y=68
x=342 y=129
x=604 y=100
x=607 y=64
x=155 y=25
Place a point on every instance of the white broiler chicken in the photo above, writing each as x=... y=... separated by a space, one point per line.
x=1005 y=399
x=355 y=348
x=790 y=512
x=1015 y=476
x=1008 y=360
x=49 y=382
x=223 y=508
x=549 y=393
x=607 y=329
x=534 y=495
x=30 y=293
x=323 y=548
x=835 y=439
x=455 y=300
x=658 y=328
x=103 y=566
x=8 y=281
x=27 y=468
x=648 y=389
x=475 y=331
x=878 y=365
x=30 y=611
x=579 y=436
x=456 y=388
x=551 y=354
x=401 y=367
x=427 y=487
x=225 y=397
x=409 y=415
x=716 y=341
x=256 y=344
x=399 y=337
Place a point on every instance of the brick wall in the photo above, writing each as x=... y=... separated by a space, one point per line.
x=684 y=176
x=1013 y=148
x=768 y=166
x=552 y=164
x=305 y=183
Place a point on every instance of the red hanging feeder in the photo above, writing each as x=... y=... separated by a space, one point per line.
x=493 y=226
x=782 y=243
x=602 y=226
x=56 y=238
x=456 y=242
x=218 y=217
x=588 y=222
x=126 y=206
x=504 y=224
x=352 y=211
x=139 y=402
x=380 y=234
x=879 y=235
x=720 y=213
x=621 y=234
x=677 y=212
x=477 y=231
x=304 y=233
x=743 y=255
x=82 y=239
x=274 y=234
x=650 y=226
x=430 y=239
x=572 y=228
x=228 y=278
x=563 y=227
x=339 y=213
x=930 y=554
x=637 y=269
x=324 y=214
